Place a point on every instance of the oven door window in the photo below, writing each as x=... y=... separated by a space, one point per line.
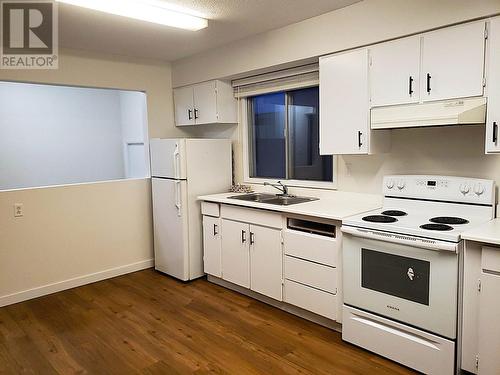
x=396 y=275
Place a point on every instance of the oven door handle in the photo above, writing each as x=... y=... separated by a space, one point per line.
x=402 y=239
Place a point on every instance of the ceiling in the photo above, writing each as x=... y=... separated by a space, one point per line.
x=229 y=20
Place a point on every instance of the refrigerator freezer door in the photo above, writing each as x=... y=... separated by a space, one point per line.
x=171 y=227
x=168 y=158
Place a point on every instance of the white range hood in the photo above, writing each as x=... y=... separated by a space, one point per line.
x=465 y=111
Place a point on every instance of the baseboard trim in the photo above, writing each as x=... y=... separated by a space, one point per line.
x=295 y=310
x=74 y=282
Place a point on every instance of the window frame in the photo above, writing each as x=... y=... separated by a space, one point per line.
x=244 y=106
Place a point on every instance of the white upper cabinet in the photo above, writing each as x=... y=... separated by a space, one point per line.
x=184 y=106
x=205 y=99
x=492 y=142
x=344 y=114
x=205 y=103
x=344 y=103
x=394 y=72
x=453 y=62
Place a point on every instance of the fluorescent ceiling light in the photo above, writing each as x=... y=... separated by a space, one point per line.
x=143 y=11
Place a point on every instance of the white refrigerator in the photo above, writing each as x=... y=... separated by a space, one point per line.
x=182 y=170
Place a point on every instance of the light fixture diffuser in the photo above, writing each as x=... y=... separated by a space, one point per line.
x=143 y=11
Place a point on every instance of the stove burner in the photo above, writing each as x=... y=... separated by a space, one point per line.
x=449 y=220
x=380 y=219
x=394 y=213
x=440 y=227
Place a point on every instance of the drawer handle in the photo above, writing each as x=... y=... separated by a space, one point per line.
x=216 y=230
x=243 y=236
x=252 y=238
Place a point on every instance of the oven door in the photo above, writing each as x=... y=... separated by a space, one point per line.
x=409 y=284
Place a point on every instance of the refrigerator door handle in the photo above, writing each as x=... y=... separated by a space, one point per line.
x=178 y=197
x=177 y=161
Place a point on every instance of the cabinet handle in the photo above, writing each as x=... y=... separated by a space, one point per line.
x=190 y=114
x=359 y=139
x=243 y=236
x=216 y=231
x=252 y=238
x=410 y=86
x=195 y=114
x=428 y=83
x=495 y=132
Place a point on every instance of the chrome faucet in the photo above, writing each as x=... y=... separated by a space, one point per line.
x=279 y=186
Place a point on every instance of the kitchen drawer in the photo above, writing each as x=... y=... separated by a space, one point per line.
x=252 y=216
x=312 y=274
x=422 y=351
x=315 y=300
x=313 y=247
x=210 y=209
x=490 y=259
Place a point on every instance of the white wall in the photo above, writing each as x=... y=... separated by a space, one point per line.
x=366 y=22
x=52 y=135
x=75 y=234
x=449 y=151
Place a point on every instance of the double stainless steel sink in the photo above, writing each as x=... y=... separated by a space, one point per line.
x=280 y=200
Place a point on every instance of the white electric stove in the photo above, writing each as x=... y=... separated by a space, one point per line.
x=401 y=268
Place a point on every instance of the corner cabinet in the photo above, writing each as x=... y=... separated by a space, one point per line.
x=345 y=107
x=481 y=310
x=205 y=103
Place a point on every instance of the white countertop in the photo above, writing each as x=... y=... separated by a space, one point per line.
x=487 y=233
x=337 y=206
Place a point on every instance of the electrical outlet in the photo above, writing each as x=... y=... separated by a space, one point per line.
x=18 y=210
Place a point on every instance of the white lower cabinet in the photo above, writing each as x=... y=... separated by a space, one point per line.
x=212 y=249
x=235 y=252
x=249 y=255
x=250 y=248
x=310 y=270
x=266 y=261
x=481 y=310
x=489 y=326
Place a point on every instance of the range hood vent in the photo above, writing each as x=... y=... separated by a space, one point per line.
x=465 y=111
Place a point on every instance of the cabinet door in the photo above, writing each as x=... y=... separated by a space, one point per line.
x=344 y=115
x=212 y=263
x=489 y=328
x=184 y=108
x=394 y=72
x=266 y=261
x=453 y=62
x=492 y=142
x=235 y=252
x=205 y=102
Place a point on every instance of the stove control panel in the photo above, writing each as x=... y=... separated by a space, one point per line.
x=441 y=188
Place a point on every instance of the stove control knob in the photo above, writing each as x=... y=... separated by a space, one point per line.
x=464 y=189
x=478 y=189
x=401 y=184
x=389 y=184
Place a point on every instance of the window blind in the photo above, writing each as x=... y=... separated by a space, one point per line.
x=282 y=80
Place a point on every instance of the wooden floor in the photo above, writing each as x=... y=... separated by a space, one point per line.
x=146 y=323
